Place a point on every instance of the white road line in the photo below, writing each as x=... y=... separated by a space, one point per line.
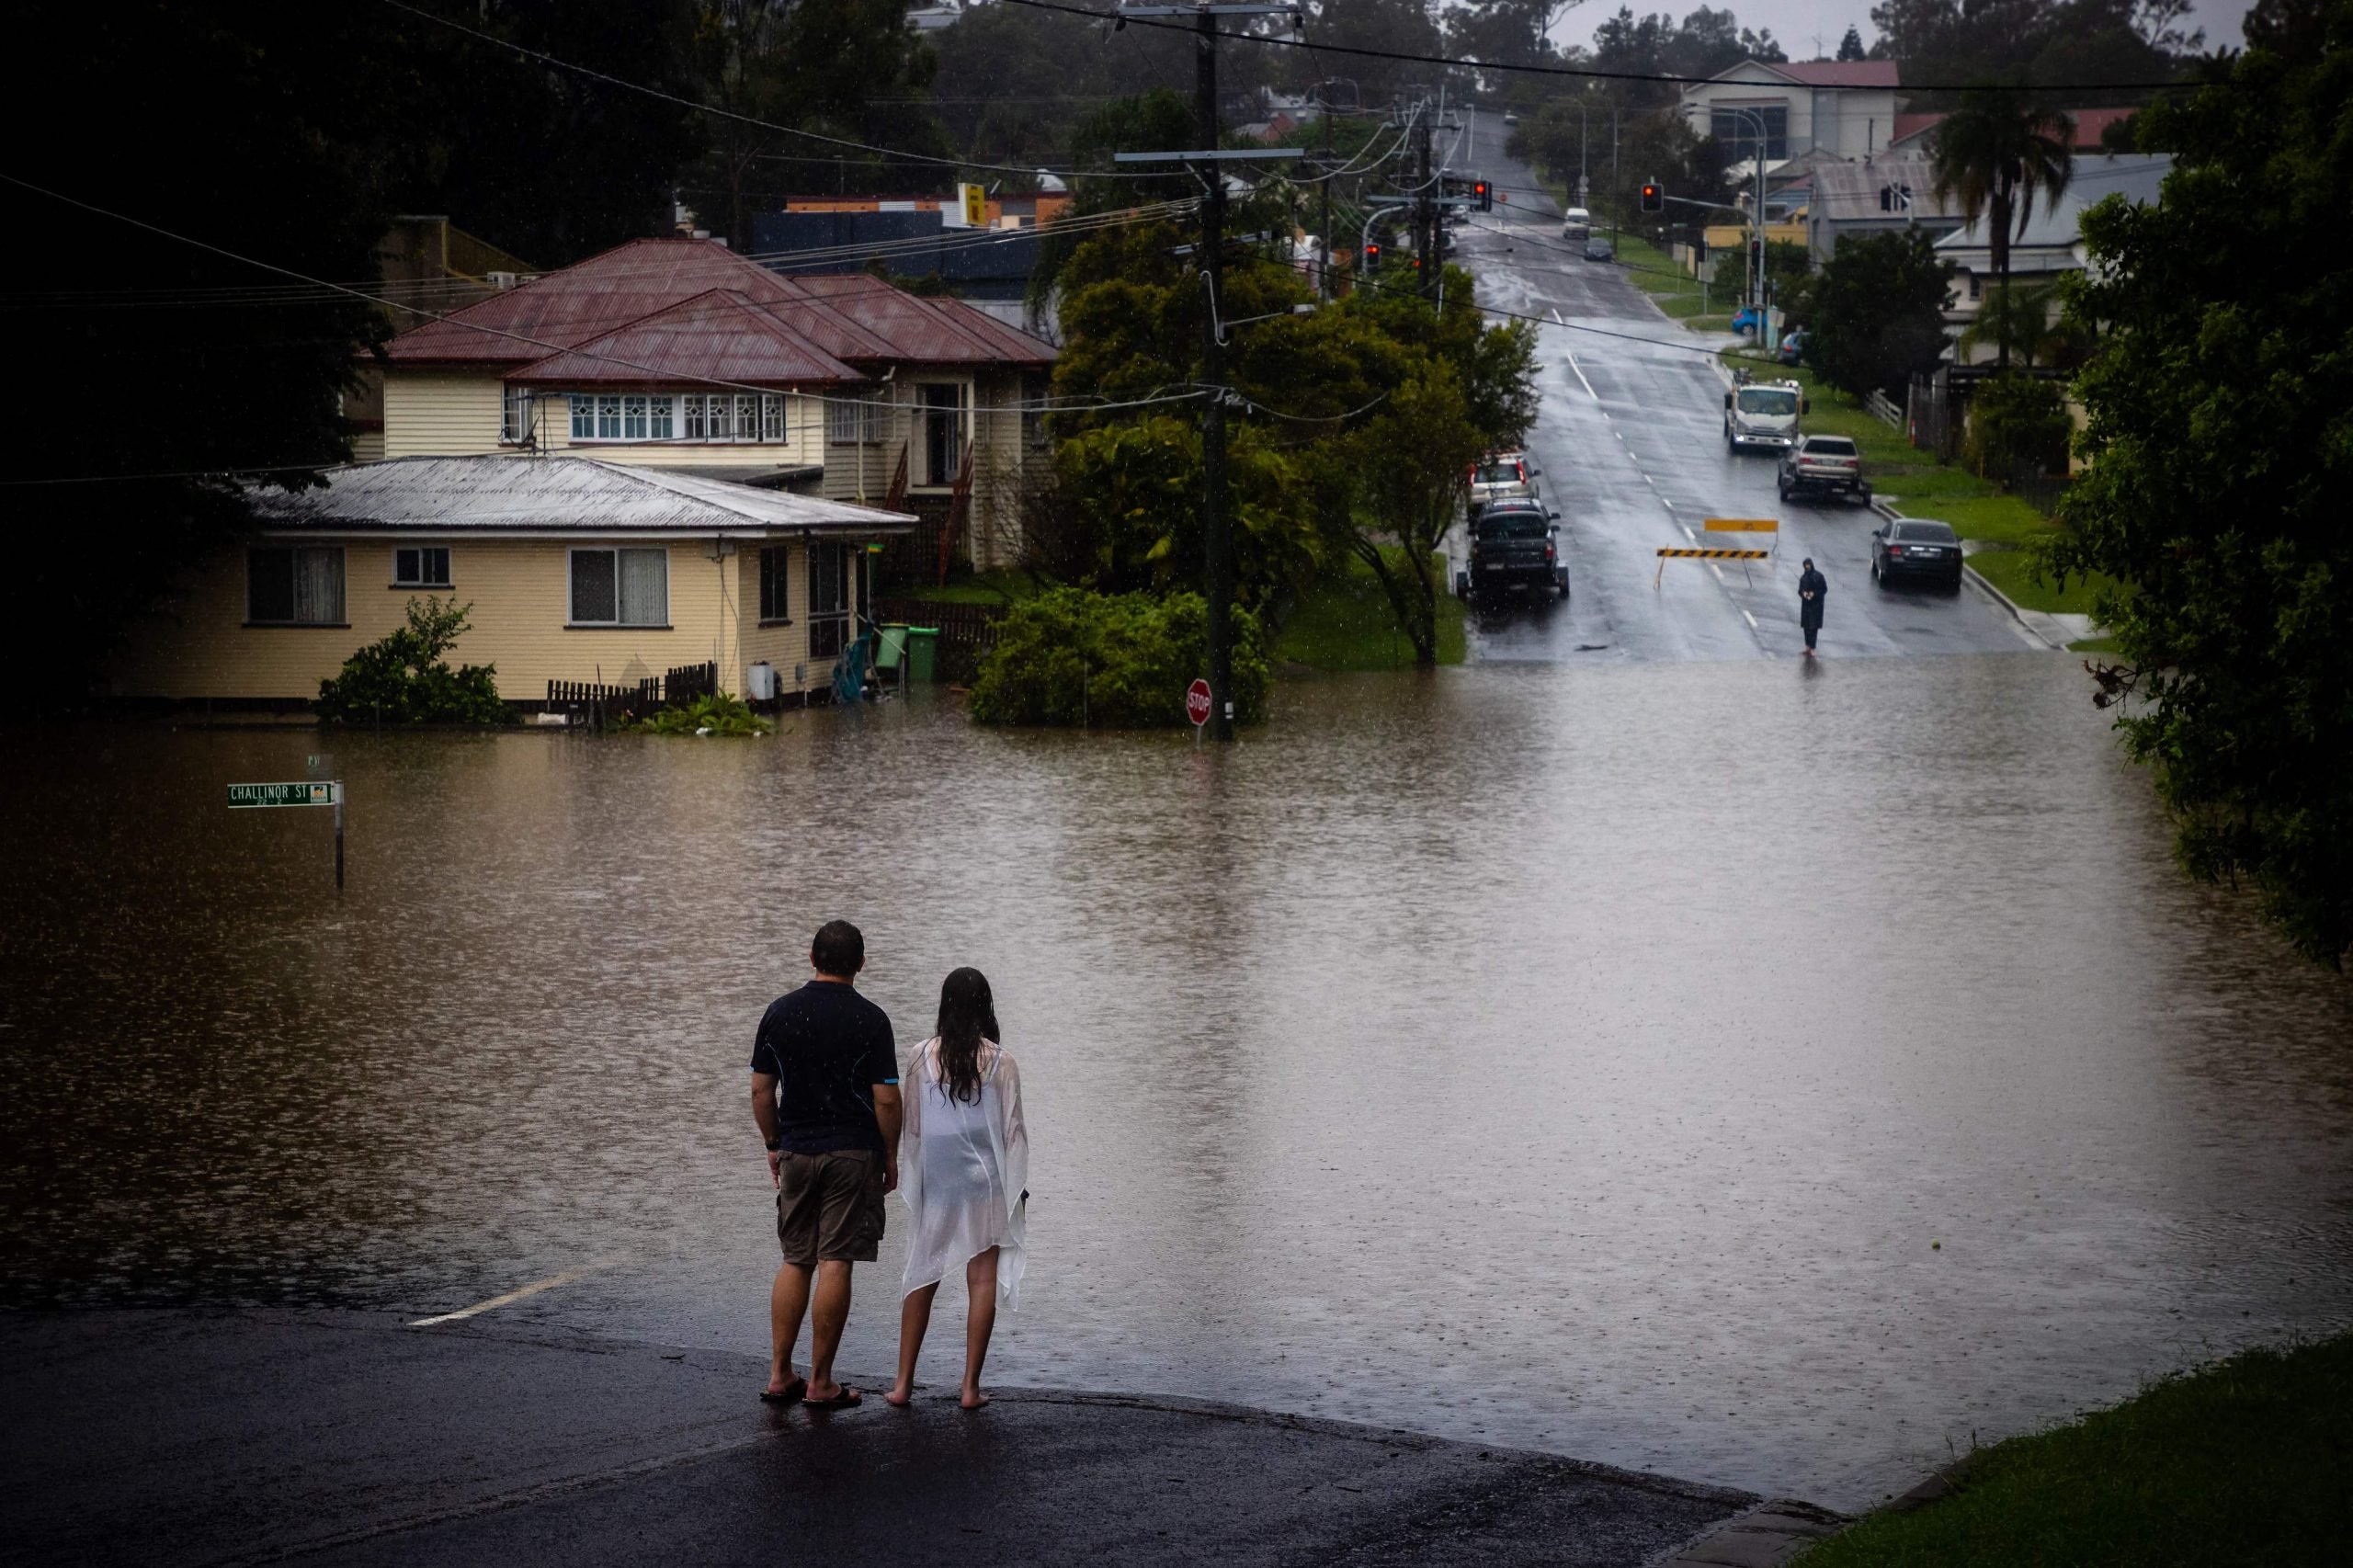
x=1752 y=621
x=1670 y=506
x=549 y=1283
x=1580 y=371
x=1718 y=571
x=1689 y=535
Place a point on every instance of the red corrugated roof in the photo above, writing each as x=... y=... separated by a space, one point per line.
x=1840 y=72
x=717 y=336
x=851 y=317
x=1913 y=124
x=2089 y=125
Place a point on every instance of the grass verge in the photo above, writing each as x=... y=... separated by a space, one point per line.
x=2246 y=1461
x=1345 y=623
x=1918 y=486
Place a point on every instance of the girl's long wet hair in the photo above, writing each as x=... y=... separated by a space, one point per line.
x=967 y=1017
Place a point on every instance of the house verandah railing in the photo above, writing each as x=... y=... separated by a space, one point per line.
x=601 y=707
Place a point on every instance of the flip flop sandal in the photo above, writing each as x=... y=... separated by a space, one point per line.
x=845 y=1399
x=790 y=1394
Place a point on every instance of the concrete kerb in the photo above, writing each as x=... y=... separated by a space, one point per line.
x=1773 y=1533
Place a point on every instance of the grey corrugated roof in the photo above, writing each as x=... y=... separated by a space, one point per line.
x=2139 y=177
x=1844 y=192
x=527 y=494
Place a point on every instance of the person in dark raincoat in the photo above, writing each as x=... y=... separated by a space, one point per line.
x=1812 y=585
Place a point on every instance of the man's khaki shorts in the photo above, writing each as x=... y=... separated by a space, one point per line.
x=829 y=1206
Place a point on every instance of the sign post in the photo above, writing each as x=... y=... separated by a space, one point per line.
x=315 y=792
x=1198 y=703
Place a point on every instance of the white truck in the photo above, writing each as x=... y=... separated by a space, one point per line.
x=1763 y=414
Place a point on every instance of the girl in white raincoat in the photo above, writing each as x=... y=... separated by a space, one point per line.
x=964 y=1168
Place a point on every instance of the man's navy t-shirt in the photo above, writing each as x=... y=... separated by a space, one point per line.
x=826 y=1046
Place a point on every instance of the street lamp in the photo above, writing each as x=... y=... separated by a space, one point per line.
x=1756 y=209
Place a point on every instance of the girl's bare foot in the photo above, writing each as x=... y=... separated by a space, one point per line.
x=972 y=1399
x=899 y=1394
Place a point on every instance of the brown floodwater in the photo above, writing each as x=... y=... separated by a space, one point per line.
x=1762 y=1075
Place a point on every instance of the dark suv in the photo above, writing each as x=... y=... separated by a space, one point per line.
x=1514 y=544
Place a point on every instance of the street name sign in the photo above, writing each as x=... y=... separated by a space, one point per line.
x=1196 y=703
x=1743 y=526
x=322 y=793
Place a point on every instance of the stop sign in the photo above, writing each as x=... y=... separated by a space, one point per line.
x=1196 y=703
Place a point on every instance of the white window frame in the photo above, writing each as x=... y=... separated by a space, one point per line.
x=517 y=407
x=723 y=419
x=421 y=579
x=572 y=616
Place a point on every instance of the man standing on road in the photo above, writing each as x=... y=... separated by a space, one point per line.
x=825 y=1095
x=1812 y=585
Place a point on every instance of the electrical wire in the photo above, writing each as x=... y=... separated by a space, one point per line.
x=1277 y=41
x=556 y=63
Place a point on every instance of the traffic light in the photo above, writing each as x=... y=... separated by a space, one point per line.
x=1756 y=256
x=1485 y=193
x=1372 y=258
x=1653 y=198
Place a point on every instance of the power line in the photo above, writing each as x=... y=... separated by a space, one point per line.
x=1276 y=41
x=592 y=73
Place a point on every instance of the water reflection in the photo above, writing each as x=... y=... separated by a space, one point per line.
x=1576 y=1057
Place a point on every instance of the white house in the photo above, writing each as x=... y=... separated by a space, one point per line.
x=2052 y=243
x=1845 y=109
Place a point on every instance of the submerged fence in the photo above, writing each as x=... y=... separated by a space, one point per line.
x=601 y=707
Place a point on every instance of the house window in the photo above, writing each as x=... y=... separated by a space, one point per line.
x=633 y=418
x=943 y=431
x=662 y=421
x=515 y=416
x=1895 y=199
x=828 y=601
x=620 y=587
x=1976 y=286
x=772 y=417
x=774 y=604
x=584 y=417
x=855 y=420
x=300 y=585
x=421 y=566
x=1737 y=129
x=609 y=417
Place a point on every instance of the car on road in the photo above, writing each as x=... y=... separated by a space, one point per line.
x=1510 y=119
x=1502 y=476
x=1824 y=465
x=1916 y=547
x=1598 y=248
x=1514 y=544
x=1762 y=414
x=1577 y=225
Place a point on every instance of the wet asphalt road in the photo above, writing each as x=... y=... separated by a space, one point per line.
x=1629 y=439
x=169 y=1438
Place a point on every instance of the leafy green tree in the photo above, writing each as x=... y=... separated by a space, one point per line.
x=2027 y=317
x=1878 y=311
x=403 y=678
x=1851 y=46
x=1994 y=155
x=2219 y=447
x=2018 y=426
x=1412 y=461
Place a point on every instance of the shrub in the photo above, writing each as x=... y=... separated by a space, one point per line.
x=404 y=679
x=2017 y=425
x=1112 y=661
x=717 y=714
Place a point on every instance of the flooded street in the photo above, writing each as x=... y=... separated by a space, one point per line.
x=1764 y=1075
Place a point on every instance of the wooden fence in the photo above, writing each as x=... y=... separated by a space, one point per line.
x=1878 y=403
x=601 y=707
x=966 y=631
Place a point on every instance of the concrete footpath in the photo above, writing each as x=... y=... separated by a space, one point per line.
x=168 y=1437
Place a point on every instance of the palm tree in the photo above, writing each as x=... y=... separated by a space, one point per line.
x=2021 y=315
x=1994 y=155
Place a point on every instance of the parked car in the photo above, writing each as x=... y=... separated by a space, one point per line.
x=1514 y=544
x=1824 y=465
x=1916 y=547
x=1510 y=119
x=1502 y=476
x=1792 y=348
x=1598 y=248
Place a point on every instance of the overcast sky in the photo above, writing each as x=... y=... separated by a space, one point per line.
x=1797 y=22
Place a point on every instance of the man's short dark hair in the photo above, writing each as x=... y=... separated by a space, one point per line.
x=839 y=948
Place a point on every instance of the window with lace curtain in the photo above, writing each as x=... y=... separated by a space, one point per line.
x=294 y=585
x=620 y=587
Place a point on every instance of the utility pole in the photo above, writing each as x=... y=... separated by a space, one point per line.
x=1324 y=268
x=1424 y=209
x=1207 y=162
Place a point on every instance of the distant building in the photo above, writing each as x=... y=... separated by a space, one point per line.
x=1879 y=195
x=1845 y=109
x=427 y=268
x=2051 y=245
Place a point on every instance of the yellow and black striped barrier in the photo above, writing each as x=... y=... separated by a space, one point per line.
x=1665 y=555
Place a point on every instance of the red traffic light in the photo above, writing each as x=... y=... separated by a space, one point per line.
x=1653 y=198
x=1372 y=257
x=1484 y=193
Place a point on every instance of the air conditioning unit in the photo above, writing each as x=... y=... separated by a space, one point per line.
x=503 y=280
